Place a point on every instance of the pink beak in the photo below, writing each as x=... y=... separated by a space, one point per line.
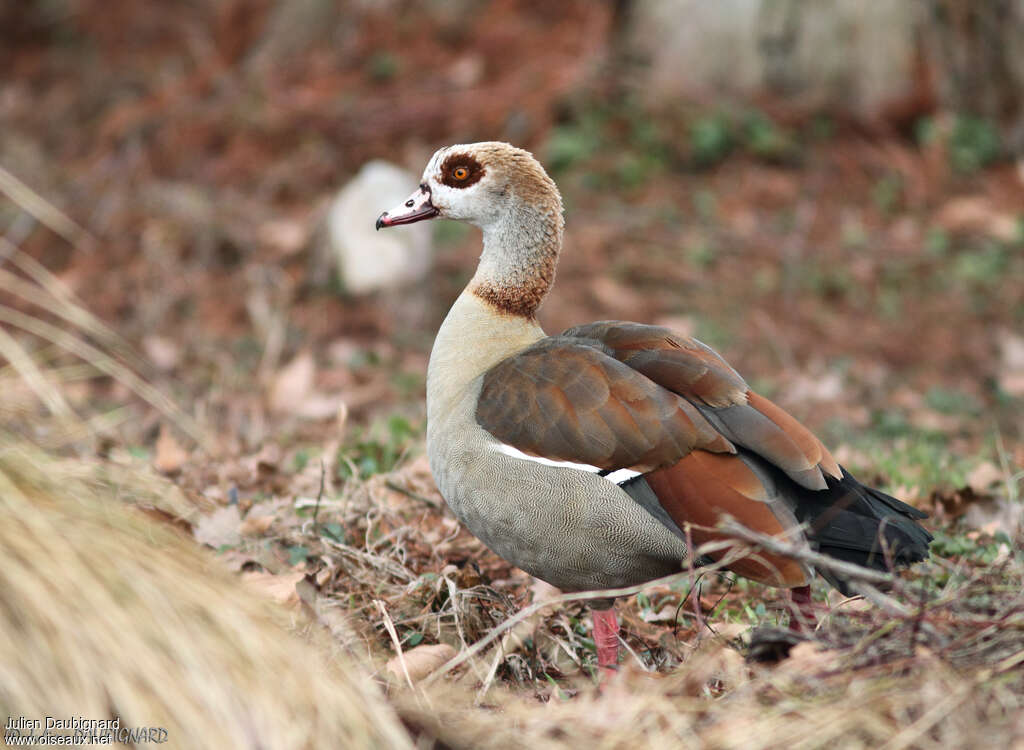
x=417 y=208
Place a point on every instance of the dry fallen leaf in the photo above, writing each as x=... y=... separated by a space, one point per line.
x=280 y=588
x=255 y=525
x=318 y=406
x=995 y=515
x=287 y=236
x=293 y=383
x=977 y=214
x=808 y=659
x=983 y=476
x=728 y=630
x=713 y=663
x=543 y=591
x=824 y=386
x=614 y=295
x=162 y=352
x=170 y=456
x=292 y=391
x=466 y=71
x=668 y=613
x=420 y=661
x=1011 y=363
x=220 y=528
x=681 y=325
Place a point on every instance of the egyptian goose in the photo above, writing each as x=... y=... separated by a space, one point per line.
x=582 y=457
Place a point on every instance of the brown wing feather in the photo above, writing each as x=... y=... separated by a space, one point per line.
x=704 y=487
x=698 y=373
x=681 y=364
x=568 y=401
x=813 y=449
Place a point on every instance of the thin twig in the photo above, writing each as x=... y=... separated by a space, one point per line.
x=319 y=497
x=1009 y=663
x=694 y=581
x=858 y=577
x=911 y=734
x=107 y=365
x=523 y=614
x=1009 y=480
x=498 y=657
x=882 y=601
x=803 y=554
x=916 y=629
x=634 y=654
x=47 y=291
x=382 y=564
x=45 y=212
x=23 y=364
x=714 y=607
x=390 y=627
x=410 y=494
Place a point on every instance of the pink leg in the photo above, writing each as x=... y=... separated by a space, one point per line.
x=606 y=637
x=803 y=615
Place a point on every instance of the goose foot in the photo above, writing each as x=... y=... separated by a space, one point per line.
x=606 y=637
x=803 y=619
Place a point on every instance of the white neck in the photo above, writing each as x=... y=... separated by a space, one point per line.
x=473 y=338
x=514 y=241
x=517 y=266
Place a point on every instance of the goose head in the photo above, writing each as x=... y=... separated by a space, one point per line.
x=505 y=192
x=479 y=183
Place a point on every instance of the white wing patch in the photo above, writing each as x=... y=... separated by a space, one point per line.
x=616 y=477
x=621 y=475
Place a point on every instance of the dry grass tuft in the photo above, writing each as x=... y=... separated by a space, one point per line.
x=106 y=614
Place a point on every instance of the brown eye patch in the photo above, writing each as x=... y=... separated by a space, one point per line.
x=461 y=170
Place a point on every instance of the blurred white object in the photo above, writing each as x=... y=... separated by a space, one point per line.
x=849 y=54
x=367 y=259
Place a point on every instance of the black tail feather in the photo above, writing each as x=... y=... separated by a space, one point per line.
x=889 y=501
x=862 y=525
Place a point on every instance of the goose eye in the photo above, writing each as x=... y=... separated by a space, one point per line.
x=460 y=173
